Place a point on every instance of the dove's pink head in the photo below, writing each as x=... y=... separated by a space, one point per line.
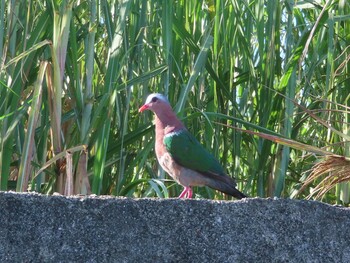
x=165 y=117
x=156 y=102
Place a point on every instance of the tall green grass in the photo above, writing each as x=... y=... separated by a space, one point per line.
x=74 y=73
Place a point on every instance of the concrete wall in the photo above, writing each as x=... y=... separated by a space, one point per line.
x=36 y=228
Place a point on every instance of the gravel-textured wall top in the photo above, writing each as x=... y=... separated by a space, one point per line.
x=37 y=228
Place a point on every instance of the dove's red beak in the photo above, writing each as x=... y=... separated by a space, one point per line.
x=143 y=108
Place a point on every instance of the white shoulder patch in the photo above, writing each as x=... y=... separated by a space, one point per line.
x=170 y=134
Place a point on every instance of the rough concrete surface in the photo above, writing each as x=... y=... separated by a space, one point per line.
x=38 y=228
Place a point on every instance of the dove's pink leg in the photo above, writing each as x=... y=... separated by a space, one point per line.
x=189 y=193
x=186 y=193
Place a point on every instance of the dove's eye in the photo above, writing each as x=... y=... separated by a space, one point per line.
x=154 y=99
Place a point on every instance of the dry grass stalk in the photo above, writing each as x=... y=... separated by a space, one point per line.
x=335 y=169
